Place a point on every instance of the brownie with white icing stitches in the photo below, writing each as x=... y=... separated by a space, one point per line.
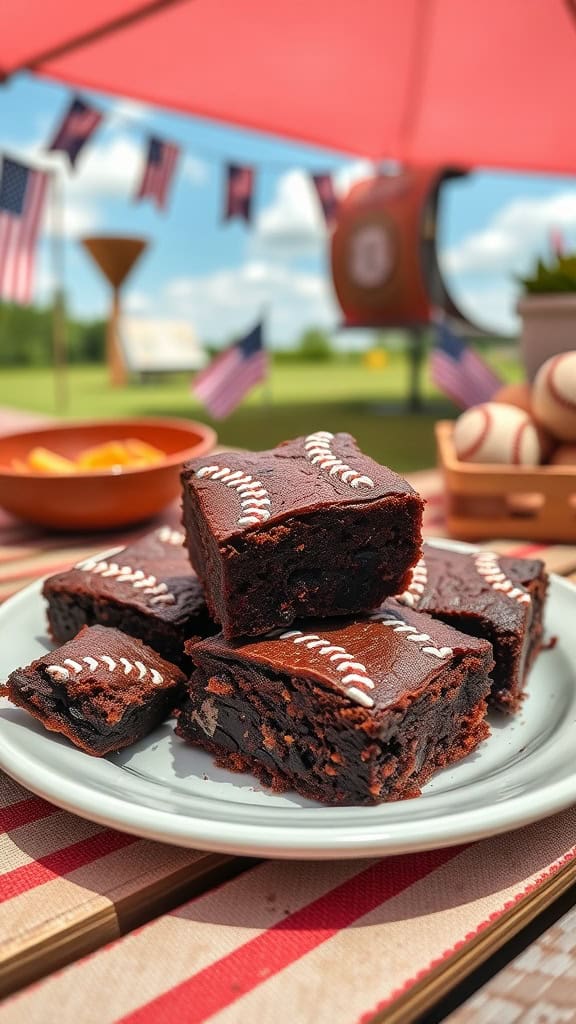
x=103 y=690
x=353 y=711
x=489 y=595
x=311 y=528
x=147 y=589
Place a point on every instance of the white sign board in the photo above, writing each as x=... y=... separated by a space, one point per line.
x=160 y=346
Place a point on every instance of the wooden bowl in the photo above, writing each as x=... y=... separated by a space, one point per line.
x=99 y=500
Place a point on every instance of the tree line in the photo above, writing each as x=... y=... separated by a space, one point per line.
x=26 y=340
x=26 y=337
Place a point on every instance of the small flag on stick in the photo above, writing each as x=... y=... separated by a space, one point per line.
x=22 y=199
x=161 y=160
x=239 y=190
x=328 y=201
x=459 y=371
x=80 y=122
x=232 y=374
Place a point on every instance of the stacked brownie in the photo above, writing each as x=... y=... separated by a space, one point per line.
x=320 y=681
x=352 y=662
x=147 y=590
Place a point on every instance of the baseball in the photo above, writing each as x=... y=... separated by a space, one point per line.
x=554 y=396
x=497 y=433
x=515 y=394
x=520 y=395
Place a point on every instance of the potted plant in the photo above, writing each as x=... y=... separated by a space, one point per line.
x=548 y=311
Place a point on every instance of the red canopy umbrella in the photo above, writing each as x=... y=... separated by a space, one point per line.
x=425 y=81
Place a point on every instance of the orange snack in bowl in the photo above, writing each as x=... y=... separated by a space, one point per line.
x=144 y=453
x=42 y=460
x=114 y=454
x=103 y=456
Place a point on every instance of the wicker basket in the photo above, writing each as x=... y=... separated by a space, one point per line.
x=506 y=501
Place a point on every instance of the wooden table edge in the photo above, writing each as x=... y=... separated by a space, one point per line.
x=54 y=945
x=441 y=979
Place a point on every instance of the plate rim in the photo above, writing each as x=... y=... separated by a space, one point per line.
x=315 y=842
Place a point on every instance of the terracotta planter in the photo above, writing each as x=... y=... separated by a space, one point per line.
x=548 y=327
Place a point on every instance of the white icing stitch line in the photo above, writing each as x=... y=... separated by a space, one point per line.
x=61 y=672
x=253 y=495
x=169 y=536
x=399 y=626
x=346 y=662
x=412 y=595
x=488 y=566
x=318 y=448
x=126 y=574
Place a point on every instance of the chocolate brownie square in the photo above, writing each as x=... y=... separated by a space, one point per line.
x=487 y=595
x=351 y=711
x=310 y=528
x=103 y=690
x=147 y=590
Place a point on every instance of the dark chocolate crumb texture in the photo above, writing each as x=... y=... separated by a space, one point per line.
x=311 y=528
x=349 y=711
x=103 y=690
x=487 y=595
x=148 y=590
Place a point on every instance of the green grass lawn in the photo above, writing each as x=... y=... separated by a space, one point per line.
x=299 y=398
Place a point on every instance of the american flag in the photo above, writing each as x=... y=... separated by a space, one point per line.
x=22 y=198
x=458 y=370
x=325 y=190
x=80 y=122
x=239 y=189
x=160 y=166
x=232 y=374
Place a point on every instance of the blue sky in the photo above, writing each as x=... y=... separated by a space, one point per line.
x=220 y=276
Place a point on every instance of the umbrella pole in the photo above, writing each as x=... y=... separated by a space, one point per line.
x=58 y=300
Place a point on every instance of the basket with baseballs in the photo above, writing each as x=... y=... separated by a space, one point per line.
x=509 y=465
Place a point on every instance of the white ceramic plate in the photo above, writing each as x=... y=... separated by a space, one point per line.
x=163 y=789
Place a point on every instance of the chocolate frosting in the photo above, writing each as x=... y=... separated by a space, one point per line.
x=319 y=471
x=450 y=583
x=383 y=658
x=174 y=594
x=104 y=665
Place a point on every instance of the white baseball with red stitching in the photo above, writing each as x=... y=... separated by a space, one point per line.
x=497 y=433
x=554 y=396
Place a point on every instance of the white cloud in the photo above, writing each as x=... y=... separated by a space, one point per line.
x=490 y=305
x=194 y=170
x=224 y=302
x=514 y=236
x=76 y=218
x=351 y=173
x=111 y=168
x=136 y=302
x=481 y=269
x=130 y=110
x=292 y=224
